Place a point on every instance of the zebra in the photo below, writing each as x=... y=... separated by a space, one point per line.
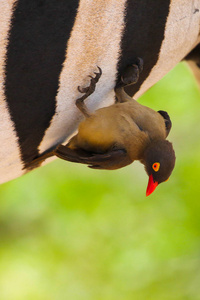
x=48 y=48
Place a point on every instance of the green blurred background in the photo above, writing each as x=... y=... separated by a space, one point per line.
x=69 y=232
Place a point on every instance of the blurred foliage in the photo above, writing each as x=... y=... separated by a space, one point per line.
x=69 y=232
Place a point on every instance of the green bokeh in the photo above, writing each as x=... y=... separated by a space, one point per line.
x=69 y=232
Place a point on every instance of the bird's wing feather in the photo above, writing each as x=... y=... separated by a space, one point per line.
x=168 y=122
x=113 y=159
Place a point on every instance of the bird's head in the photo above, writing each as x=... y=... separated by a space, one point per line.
x=159 y=161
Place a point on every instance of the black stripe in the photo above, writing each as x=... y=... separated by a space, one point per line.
x=36 y=51
x=143 y=35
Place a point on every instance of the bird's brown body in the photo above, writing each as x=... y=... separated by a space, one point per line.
x=113 y=137
x=124 y=125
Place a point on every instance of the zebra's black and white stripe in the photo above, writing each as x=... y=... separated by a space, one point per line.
x=47 y=49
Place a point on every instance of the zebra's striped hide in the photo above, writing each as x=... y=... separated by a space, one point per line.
x=48 y=48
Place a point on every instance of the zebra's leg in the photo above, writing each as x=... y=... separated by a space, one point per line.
x=87 y=92
x=193 y=61
x=195 y=70
x=194 y=55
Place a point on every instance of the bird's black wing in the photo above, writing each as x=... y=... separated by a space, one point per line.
x=111 y=160
x=168 y=122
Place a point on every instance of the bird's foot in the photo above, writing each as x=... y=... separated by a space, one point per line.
x=87 y=91
x=91 y=88
x=131 y=73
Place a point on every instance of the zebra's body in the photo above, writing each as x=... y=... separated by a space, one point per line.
x=47 y=49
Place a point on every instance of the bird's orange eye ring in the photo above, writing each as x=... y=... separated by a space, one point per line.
x=156 y=166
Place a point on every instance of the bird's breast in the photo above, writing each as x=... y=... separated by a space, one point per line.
x=128 y=125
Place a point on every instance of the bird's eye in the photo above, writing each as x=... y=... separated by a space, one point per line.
x=156 y=166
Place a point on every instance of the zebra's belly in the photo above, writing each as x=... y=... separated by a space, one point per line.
x=48 y=48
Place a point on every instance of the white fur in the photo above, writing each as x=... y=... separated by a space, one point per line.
x=10 y=162
x=95 y=41
x=181 y=36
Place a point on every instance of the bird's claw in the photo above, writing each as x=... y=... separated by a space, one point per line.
x=139 y=63
x=91 y=88
x=131 y=73
x=83 y=90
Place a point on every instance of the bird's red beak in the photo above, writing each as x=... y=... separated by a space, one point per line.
x=151 y=186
